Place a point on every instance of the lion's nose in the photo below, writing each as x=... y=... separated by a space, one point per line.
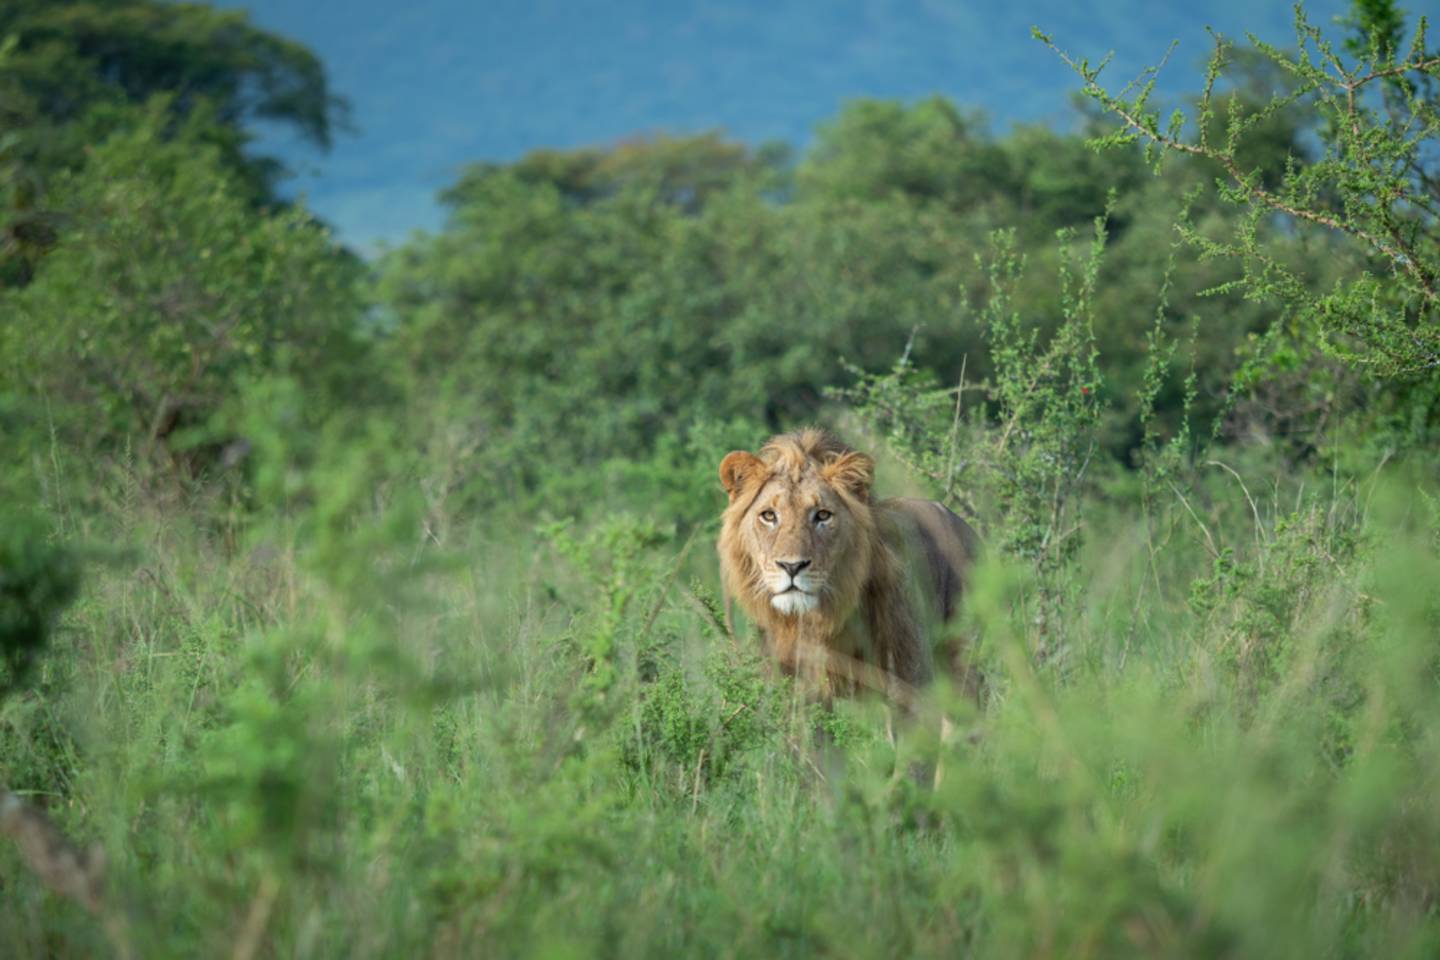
x=792 y=567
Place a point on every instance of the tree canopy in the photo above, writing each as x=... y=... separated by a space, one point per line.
x=74 y=71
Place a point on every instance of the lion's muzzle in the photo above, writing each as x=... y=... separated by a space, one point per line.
x=794 y=587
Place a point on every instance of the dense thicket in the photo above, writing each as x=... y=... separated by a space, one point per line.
x=670 y=290
x=367 y=609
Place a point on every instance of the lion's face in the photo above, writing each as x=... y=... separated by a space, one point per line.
x=798 y=530
x=797 y=533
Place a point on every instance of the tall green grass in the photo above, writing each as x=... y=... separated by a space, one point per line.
x=329 y=734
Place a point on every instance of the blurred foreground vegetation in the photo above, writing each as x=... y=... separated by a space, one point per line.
x=369 y=609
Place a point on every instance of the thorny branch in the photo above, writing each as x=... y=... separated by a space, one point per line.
x=1397 y=250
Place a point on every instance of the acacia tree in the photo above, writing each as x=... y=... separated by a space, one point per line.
x=71 y=57
x=74 y=72
x=1373 y=185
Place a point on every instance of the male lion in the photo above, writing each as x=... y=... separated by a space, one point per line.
x=843 y=587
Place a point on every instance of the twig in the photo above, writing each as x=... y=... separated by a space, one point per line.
x=1401 y=256
x=1259 y=531
x=955 y=425
x=1209 y=540
x=695 y=792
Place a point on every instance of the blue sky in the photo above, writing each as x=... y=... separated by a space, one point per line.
x=437 y=84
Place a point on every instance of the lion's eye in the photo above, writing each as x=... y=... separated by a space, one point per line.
x=768 y=516
x=822 y=515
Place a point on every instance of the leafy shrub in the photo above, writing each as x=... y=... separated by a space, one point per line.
x=1366 y=197
x=166 y=293
x=1019 y=465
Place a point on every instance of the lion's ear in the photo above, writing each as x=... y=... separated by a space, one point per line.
x=854 y=472
x=736 y=469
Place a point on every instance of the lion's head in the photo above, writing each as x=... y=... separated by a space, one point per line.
x=798 y=538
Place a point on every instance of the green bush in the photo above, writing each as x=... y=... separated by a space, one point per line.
x=168 y=291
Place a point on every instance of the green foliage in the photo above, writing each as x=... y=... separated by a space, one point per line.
x=37 y=581
x=268 y=770
x=612 y=557
x=1047 y=403
x=928 y=151
x=585 y=305
x=599 y=331
x=1016 y=461
x=691 y=732
x=27 y=230
x=76 y=73
x=1371 y=191
x=686 y=172
x=1374 y=23
x=76 y=63
x=166 y=292
x=1247 y=775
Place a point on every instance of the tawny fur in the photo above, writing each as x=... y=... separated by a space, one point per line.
x=891 y=569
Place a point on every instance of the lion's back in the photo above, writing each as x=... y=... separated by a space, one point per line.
x=942 y=543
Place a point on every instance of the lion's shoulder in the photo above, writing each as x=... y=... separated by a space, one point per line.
x=939 y=545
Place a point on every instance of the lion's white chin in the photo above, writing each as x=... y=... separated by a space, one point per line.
x=794 y=602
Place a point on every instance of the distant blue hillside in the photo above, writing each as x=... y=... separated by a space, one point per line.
x=439 y=83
